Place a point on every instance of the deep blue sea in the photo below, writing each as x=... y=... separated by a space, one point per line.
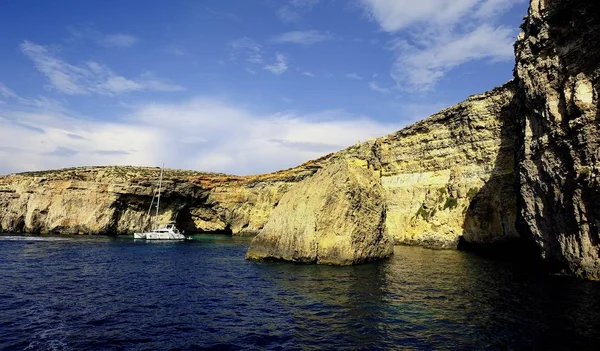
x=104 y=293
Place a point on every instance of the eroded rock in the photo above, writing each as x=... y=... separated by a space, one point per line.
x=558 y=69
x=335 y=217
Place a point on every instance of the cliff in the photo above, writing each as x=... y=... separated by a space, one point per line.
x=335 y=217
x=445 y=178
x=115 y=200
x=525 y=155
x=451 y=177
x=558 y=70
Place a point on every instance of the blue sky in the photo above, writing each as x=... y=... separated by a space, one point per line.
x=235 y=86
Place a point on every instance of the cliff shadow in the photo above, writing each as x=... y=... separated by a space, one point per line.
x=491 y=218
x=559 y=182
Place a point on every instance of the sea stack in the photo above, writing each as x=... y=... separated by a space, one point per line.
x=336 y=217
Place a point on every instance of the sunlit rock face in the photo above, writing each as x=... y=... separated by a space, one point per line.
x=525 y=155
x=557 y=67
x=448 y=177
x=336 y=217
x=451 y=177
x=116 y=200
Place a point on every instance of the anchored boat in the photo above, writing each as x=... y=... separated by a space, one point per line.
x=166 y=232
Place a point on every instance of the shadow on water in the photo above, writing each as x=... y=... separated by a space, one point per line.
x=431 y=299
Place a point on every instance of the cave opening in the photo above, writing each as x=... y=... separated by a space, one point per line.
x=185 y=222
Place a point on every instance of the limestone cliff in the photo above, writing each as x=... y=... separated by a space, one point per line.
x=447 y=177
x=451 y=176
x=115 y=200
x=335 y=217
x=558 y=70
x=524 y=155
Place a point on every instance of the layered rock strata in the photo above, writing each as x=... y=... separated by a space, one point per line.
x=527 y=152
x=116 y=200
x=558 y=70
x=448 y=177
x=336 y=217
x=451 y=177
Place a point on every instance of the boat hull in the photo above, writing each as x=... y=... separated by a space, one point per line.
x=164 y=236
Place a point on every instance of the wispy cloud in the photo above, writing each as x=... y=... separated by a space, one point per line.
x=308 y=74
x=176 y=51
x=433 y=37
x=225 y=138
x=246 y=49
x=119 y=40
x=291 y=11
x=307 y=37
x=421 y=67
x=89 y=78
x=279 y=65
x=353 y=76
x=6 y=92
x=375 y=87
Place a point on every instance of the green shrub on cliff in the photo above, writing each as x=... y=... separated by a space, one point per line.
x=451 y=203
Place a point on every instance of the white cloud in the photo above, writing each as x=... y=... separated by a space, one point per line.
x=90 y=78
x=119 y=40
x=307 y=37
x=246 y=49
x=176 y=51
x=291 y=11
x=201 y=133
x=433 y=37
x=6 y=92
x=308 y=74
x=395 y=15
x=419 y=68
x=251 y=54
x=353 y=76
x=375 y=87
x=491 y=8
x=279 y=66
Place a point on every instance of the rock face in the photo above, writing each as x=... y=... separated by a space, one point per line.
x=451 y=177
x=446 y=178
x=558 y=69
x=525 y=155
x=115 y=200
x=335 y=217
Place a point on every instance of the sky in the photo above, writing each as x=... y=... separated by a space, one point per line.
x=235 y=86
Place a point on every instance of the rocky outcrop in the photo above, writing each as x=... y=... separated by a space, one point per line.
x=335 y=217
x=447 y=178
x=558 y=70
x=115 y=200
x=525 y=155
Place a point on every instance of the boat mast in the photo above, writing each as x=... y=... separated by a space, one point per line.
x=158 y=197
x=148 y=215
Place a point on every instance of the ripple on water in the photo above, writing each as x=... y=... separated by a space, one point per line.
x=89 y=293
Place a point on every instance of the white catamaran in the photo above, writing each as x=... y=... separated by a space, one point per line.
x=166 y=232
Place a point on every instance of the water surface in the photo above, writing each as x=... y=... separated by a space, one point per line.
x=90 y=293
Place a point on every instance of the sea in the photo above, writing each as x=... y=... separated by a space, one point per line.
x=117 y=293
